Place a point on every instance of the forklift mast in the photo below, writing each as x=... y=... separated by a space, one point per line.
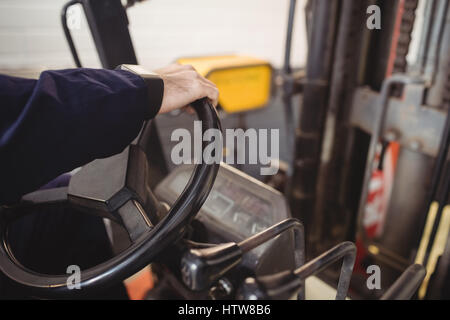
x=360 y=126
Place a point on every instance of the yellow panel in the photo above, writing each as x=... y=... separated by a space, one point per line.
x=204 y=65
x=438 y=246
x=242 y=88
x=243 y=82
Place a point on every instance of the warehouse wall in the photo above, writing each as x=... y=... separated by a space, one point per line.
x=162 y=30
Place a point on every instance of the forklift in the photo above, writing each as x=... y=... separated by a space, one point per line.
x=367 y=182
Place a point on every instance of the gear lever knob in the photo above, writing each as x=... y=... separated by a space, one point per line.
x=201 y=267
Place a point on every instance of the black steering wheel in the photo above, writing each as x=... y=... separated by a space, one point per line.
x=115 y=188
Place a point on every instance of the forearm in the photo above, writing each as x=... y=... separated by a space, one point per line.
x=66 y=119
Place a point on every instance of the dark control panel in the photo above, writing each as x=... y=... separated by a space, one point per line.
x=237 y=207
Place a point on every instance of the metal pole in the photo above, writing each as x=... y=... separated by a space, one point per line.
x=407 y=284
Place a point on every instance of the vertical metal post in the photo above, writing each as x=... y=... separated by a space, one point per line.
x=315 y=102
x=288 y=89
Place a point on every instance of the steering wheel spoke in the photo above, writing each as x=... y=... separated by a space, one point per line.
x=134 y=219
x=117 y=188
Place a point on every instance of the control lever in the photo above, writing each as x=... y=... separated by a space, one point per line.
x=285 y=284
x=200 y=267
x=407 y=284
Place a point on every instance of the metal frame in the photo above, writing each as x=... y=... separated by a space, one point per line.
x=282 y=285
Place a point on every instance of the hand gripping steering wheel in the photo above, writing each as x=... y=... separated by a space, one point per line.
x=115 y=188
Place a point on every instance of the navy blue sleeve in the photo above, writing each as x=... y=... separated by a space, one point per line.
x=64 y=120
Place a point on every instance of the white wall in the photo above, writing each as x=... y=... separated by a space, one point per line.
x=31 y=36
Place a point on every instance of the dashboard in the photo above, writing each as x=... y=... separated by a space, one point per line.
x=238 y=206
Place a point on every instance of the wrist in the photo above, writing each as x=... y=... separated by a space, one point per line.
x=155 y=87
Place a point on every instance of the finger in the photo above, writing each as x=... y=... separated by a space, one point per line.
x=201 y=85
x=209 y=82
x=211 y=92
x=189 y=109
